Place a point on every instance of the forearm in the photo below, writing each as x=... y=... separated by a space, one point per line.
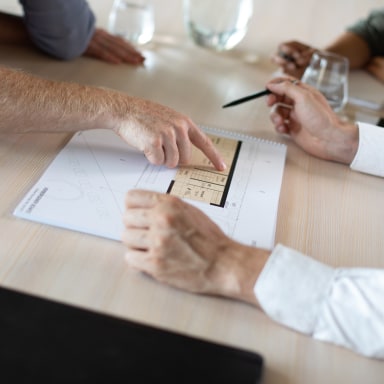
x=31 y=103
x=342 y=143
x=238 y=271
x=12 y=30
x=353 y=47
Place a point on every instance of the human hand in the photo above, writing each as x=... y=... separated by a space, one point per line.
x=179 y=245
x=113 y=49
x=293 y=57
x=307 y=117
x=376 y=67
x=164 y=135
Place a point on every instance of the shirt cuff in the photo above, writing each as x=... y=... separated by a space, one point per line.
x=292 y=288
x=370 y=155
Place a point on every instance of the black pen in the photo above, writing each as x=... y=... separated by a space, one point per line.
x=247 y=98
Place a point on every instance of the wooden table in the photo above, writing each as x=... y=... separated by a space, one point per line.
x=325 y=209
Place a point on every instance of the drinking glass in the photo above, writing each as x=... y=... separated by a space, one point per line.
x=328 y=72
x=217 y=24
x=133 y=20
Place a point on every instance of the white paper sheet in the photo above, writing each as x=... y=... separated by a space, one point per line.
x=84 y=187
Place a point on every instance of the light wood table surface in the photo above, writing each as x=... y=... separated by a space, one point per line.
x=326 y=210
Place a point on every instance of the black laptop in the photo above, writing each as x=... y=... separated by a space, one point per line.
x=43 y=341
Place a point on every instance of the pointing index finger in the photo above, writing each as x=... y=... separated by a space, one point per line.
x=204 y=143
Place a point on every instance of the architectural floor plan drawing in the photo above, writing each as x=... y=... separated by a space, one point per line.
x=201 y=181
x=84 y=187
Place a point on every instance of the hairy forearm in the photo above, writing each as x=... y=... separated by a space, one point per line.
x=29 y=103
x=353 y=47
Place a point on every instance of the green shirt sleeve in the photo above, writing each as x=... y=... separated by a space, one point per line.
x=371 y=30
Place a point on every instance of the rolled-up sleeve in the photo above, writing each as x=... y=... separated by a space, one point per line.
x=61 y=28
x=344 y=306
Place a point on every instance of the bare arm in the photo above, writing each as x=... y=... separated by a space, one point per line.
x=30 y=103
x=293 y=56
x=34 y=104
x=353 y=47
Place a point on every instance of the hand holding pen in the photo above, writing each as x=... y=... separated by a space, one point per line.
x=293 y=57
x=253 y=96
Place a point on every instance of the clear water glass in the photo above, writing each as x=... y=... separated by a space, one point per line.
x=217 y=24
x=328 y=72
x=133 y=20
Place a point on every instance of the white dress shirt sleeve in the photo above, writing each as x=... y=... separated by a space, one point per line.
x=344 y=306
x=370 y=154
